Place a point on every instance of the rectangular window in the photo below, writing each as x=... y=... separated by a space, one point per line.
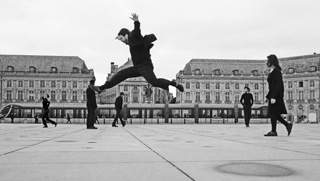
x=53 y=84
x=300 y=95
x=188 y=85
x=125 y=88
x=217 y=96
x=236 y=98
x=64 y=84
x=9 y=95
x=42 y=83
x=311 y=83
x=256 y=86
x=207 y=96
x=31 y=83
x=312 y=94
x=64 y=95
x=207 y=85
x=289 y=84
x=74 y=96
x=217 y=85
x=31 y=95
x=84 y=93
x=197 y=96
x=188 y=96
x=53 y=95
x=256 y=97
x=20 y=83
x=126 y=97
x=41 y=94
x=227 y=98
x=9 y=83
x=227 y=86
x=197 y=85
x=236 y=86
x=301 y=84
x=74 y=84
x=290 y=95
x=20 y=95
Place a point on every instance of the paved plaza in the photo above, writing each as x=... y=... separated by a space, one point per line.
x=154 y=152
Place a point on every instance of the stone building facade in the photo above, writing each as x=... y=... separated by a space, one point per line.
x=26 y=78
x=222 y=81
x=135 y=89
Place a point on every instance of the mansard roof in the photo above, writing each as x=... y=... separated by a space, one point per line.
x=43 y=63
x=226 y=66
x=300 y=63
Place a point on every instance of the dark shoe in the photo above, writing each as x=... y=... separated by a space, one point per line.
x=123 y=123
x=55 y=125
x=92 y=127
x=247 y=125
x=95 y=88
x=45 y=126
x=178 y=86
x=271 y=134
x=289 y=128
x=114 y=125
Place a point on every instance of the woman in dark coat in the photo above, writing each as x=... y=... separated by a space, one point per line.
x=276 y=105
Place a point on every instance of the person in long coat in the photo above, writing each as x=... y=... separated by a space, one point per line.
x=276 y=105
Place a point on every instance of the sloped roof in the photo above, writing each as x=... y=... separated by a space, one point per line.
x=226 y=66
x=300 y=63
x=42 y=63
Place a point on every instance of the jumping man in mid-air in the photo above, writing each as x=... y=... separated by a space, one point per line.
x=140 y=55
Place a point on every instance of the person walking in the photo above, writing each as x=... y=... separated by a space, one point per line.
x=276 y=105
x=247 y=102
x=118 y=105
x=91 y=106
x=45 y=115
x=140 y=55
x=68 y=118
x=12 y=117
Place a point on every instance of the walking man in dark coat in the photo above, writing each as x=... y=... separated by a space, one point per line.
x=45 y=116
x=141 y=58
x=91 y=106
x=247 y=102
x=276 y=105
x=118 y=105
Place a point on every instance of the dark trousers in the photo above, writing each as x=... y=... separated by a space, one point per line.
x=136 y=71
x=91 y=117
x=118 y=115
x=45 y=118
x=274 y=117
x=247 y=114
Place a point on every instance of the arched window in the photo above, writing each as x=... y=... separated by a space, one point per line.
x=10 y=69
x=54 y=70
x=313 y=68
x=32 y=69
x=235 y=72
x=291 y=70
x=75 y=70
x=311 y=107
x=255 y=72
x=217 y=72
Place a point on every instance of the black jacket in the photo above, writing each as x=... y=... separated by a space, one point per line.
x=276 y=91
x=118 y=103
x=140 y=46
x=91 y=98
x=246 y=99
x=45 y=104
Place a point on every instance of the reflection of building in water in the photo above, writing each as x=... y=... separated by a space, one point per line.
x=135 y=89
x=26 y=78
x=221 y=82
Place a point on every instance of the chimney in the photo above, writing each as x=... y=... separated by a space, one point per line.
x=112 y=67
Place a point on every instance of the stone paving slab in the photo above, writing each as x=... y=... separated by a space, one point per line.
x=158 y=152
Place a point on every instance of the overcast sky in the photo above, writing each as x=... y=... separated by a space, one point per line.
x=211 y=29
